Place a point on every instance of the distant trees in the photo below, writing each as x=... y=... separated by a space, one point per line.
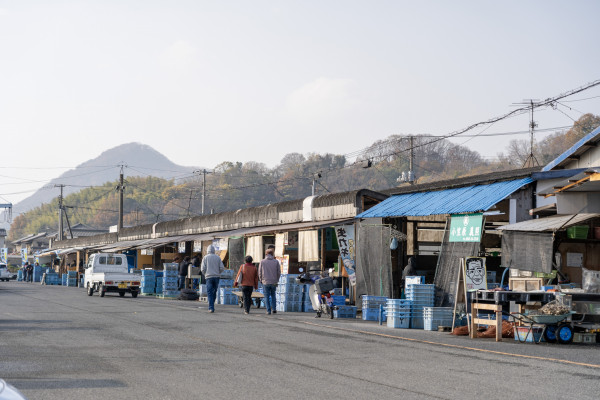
x=551 y=146
x=235 y=185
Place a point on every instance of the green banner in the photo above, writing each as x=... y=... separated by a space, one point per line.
x=466 y=227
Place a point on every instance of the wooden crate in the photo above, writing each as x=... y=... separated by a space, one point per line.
x=525 y=284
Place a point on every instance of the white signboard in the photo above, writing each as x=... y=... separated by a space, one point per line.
x=575 y=260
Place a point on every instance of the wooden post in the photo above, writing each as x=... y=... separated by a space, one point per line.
x=323 y=249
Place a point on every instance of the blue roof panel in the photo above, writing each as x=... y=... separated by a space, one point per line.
x=593 y=135
x=467 y=199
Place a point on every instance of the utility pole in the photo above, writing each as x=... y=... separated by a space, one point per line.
x=189 y=203
x=530 y=161
x=120 y=188
x=411 y=174
x=60 y=212
x=314 y=182
x=203 y=188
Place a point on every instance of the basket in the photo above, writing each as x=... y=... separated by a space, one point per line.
x=578 y=232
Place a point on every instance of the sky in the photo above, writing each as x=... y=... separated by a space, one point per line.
x=204 y=82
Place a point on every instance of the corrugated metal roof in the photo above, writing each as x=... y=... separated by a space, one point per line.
x=451 y=201
x=549 y=224
x=578 y=148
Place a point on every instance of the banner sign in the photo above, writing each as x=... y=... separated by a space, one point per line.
x=4 y=255
x=466 y=227
x=345 y=239
x=24 y=255
x=197 y=246
x=181 y=247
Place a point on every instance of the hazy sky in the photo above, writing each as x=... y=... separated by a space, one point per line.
x=207 y=81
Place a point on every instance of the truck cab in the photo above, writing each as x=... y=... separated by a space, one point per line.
x=5 y=274
x=108 y=272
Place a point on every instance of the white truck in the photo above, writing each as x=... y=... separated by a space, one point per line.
x=107 y=272
x=5 y=274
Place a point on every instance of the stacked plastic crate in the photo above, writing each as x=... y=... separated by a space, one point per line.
x=170 y=272
x=20 y=275
x=371 y=306
x=398 y=313
x=159 y=282
x=37 y=273
x=65 y=277
x=52 y=278
x=306 y=302
x=345 y=312
x=437 y=316
x=148 y=282
x=289 y=294
x=421 y=295
x=71 y=278
x=224 y=293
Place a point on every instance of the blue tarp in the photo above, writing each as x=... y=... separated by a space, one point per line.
x=450 y=201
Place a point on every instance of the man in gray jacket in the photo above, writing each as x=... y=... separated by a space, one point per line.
x=269 y=272
x=211 y=268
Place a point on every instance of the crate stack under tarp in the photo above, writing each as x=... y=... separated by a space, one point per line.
x=170 y=272
x=289 y=294
x=148 y=282
x=420 y=295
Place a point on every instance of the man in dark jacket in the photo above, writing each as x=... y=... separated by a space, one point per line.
x=183 y=270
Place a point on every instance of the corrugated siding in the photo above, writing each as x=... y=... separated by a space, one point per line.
x=451 y=201
x=549 y=223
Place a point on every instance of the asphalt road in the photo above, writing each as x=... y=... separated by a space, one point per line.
x=58 y=343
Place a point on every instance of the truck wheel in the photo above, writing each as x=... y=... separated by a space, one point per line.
x=121 y=293
x=101 y=290
x=134 y=294
x=90 y=290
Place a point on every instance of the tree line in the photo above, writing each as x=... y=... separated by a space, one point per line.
x=237 y=185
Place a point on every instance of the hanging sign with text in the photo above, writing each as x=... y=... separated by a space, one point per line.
x=466 y=227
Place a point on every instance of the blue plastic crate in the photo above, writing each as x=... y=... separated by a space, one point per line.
x=398 y=320
x=339 y=300
x=288 y=278
x=225 y=282
x=228 y=274
x=289 y=306
x=289 y=288
x=372 y=314
x=345 y=312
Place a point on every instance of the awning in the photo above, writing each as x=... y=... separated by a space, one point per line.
x=283 y=228
x=549 y=224
x=450 y=201
x=120 y=246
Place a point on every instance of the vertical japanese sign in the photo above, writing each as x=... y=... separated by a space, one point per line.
x=181 y=247
x=4 y=255
x=24 y=255
x=197 y=246
x=284 y=263
x=345 y=239
x=466 y=227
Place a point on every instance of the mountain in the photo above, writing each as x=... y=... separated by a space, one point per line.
x=102 y=169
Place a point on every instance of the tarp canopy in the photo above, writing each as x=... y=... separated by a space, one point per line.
x=529 y=251
x=467 y=199
x=549 y=224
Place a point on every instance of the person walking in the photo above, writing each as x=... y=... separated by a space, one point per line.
x=249 y=282
x=29 y=272
x=269 y=272
x=26 y=272
x=212 y=267
x=183 y=270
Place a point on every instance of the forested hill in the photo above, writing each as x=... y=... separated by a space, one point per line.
x=235 y=185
